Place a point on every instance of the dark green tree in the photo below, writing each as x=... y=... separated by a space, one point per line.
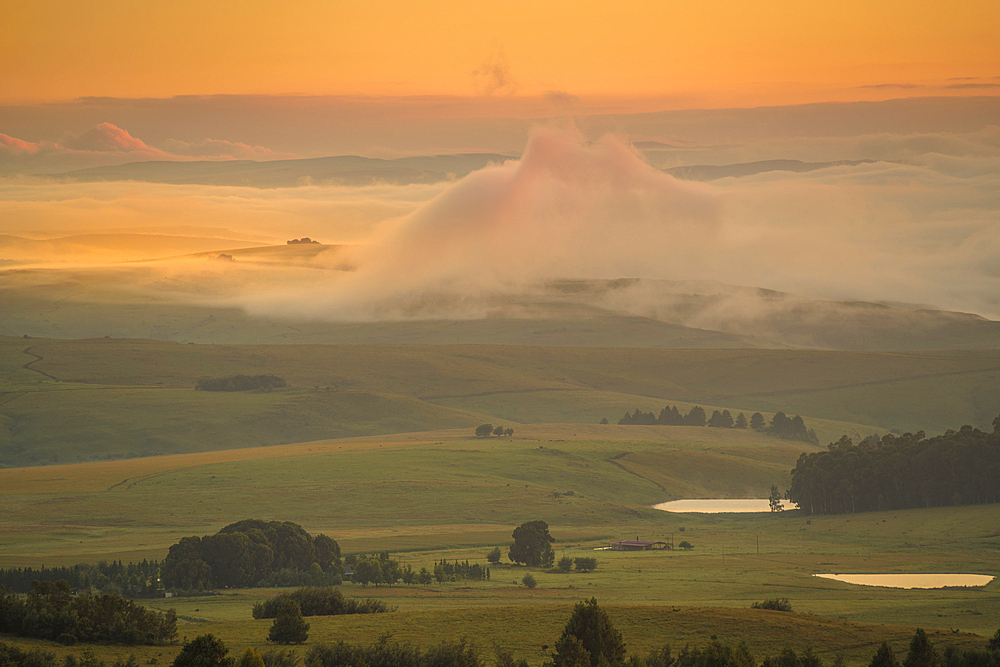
x=532 y=544
x=585 y=564
x=994 y=644
x=565 y=564
x=529 y=580
x=921 y=653
x=589 y=634
x=741 y=421
x=884 y=657
x=368 y=571
x=289 y=627
x=327 y=554
x=484 y=430
x=498 y=431
x=696 y=417
x=757 y=421
x=494 y=555
x=774 y=500
x=204 y=651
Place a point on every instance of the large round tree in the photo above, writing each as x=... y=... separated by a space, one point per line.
x=532 y=544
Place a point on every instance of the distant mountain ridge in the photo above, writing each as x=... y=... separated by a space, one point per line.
x=710 y=172
x=338 y=170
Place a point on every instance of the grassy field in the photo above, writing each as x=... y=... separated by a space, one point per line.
x=380 y=455
x=138 y=396
x=445 y=495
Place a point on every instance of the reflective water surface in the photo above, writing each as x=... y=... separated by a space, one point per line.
x=716 y=505
x=911 y=580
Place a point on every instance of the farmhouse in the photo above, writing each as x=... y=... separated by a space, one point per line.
x=638 y=545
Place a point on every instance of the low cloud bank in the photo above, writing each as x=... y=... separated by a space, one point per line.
x=569 y=209
x=924 y=229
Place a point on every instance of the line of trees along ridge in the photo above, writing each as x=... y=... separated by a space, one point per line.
x=898 y=472
x=781 y=425
x=251 y=552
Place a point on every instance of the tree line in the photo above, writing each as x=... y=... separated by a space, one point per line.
x=50 y=611
x=241 y=383
x=898 y=472
x=781 y=425
x=249 y=553
x=486 y=430
x=320 y=601
x=132 y=579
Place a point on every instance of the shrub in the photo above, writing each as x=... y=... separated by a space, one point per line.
x=565 y=564
x=320 y=601
x=289 y=627
x=529 y=580
x=774 y=604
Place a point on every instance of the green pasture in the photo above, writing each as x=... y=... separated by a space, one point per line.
x=451 y=496
x=105 y=398
x=526 y=630
x=411 y=488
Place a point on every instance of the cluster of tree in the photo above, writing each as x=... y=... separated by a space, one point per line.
x=781 y=425
x=304 y=239
x=445 y=571
x=532 y=545
x=957 y=468
x=774 y=604
x=486 y=430
x=133 y=579
x=50 y=611
x=320 y=601
x=210 y=651
x=380 y=569
x=397 y=654
x=247 y=553
x=241 y=383
x=582 y=564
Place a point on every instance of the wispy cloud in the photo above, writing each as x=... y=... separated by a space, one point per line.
x=493 y=76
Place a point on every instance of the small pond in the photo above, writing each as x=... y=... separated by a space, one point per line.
x=911 y=580
x=716 y=505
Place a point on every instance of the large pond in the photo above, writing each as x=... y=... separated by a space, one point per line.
x=911 y=580
x=716 y=505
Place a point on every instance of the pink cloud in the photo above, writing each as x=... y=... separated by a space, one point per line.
x=107 y=144
x=108 y=138
x=15 y=146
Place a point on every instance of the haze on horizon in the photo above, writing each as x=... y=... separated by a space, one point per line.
x=584 y=105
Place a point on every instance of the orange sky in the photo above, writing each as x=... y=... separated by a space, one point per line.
x=713 y=52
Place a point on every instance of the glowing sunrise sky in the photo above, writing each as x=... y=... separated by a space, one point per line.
x=708 y=53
